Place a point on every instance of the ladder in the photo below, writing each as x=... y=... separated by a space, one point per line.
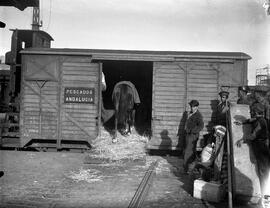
x=10 y=127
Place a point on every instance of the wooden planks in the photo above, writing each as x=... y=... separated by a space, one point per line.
x=168 y=103
x=203 y=86
x=174 y=85
x=44 y=113
x=39 y=117
x=80 y=74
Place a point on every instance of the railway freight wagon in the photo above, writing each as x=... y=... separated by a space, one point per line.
x=61 y=93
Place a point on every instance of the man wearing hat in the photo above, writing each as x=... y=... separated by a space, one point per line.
x=222 y=108
x=259 y=141
x=260 y=97
x=243 y=96
x=194 y=124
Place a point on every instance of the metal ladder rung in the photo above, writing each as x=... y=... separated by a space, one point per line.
x=12 y=114
x=10 y=127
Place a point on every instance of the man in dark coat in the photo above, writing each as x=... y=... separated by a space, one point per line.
x=194 y=124
x=243 y=96
x=222 y=108
x=259 y=141
x=260 y=97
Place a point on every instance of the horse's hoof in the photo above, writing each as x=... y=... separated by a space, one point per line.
x=125 y=132
x=114 y=140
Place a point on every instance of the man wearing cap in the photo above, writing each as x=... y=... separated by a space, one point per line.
x=222 y=108
x=260 y=97
x=258 y=140
x=194 y=124
x=243 y=96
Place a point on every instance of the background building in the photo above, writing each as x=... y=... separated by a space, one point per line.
x=263 y=76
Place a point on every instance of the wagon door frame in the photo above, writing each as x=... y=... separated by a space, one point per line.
x=85 y=116
x=40 y=80
x=182 y=94
x=168 y=104
x=203 y=85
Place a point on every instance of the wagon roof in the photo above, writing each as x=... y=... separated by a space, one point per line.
x=110 y=54
x=29 y=32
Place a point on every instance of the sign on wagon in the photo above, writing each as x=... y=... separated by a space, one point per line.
x=79 y=95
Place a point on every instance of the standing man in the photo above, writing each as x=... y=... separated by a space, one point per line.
x=194 y=124
x=259 y=141
x=222 y=108
x=260 y=97
x=243 y=96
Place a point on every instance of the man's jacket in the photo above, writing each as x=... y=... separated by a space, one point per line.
x=194 y=123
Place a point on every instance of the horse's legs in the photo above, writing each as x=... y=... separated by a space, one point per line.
x=130 y=120
x=133 y=117
x=114 y=139
x=124 y=126
x=116 y=100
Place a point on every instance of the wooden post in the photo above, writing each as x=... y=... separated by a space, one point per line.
x=40 y=106
x=230 y=194
x=99 y=97
x=218 y=161
x=59 y=104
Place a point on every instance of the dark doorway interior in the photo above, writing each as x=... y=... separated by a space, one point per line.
x=140 y=74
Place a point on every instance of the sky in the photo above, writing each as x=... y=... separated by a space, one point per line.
x=165 y=25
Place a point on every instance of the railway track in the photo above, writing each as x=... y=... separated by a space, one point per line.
x=142 y=190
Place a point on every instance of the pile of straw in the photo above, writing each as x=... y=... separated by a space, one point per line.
x=88 y=175
x=163 y=166
x=127 y=148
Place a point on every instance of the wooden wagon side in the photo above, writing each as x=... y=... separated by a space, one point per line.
x=60 y=100
x=176 y=83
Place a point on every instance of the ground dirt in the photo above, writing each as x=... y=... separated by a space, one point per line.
x=63 y=180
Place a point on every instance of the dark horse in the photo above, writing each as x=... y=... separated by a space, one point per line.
x=123 y=100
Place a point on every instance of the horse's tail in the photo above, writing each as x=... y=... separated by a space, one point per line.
x=123 y=104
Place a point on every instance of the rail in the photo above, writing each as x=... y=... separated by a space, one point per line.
x=143 y=188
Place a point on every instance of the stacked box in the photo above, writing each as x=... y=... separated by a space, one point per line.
x=209 y=191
